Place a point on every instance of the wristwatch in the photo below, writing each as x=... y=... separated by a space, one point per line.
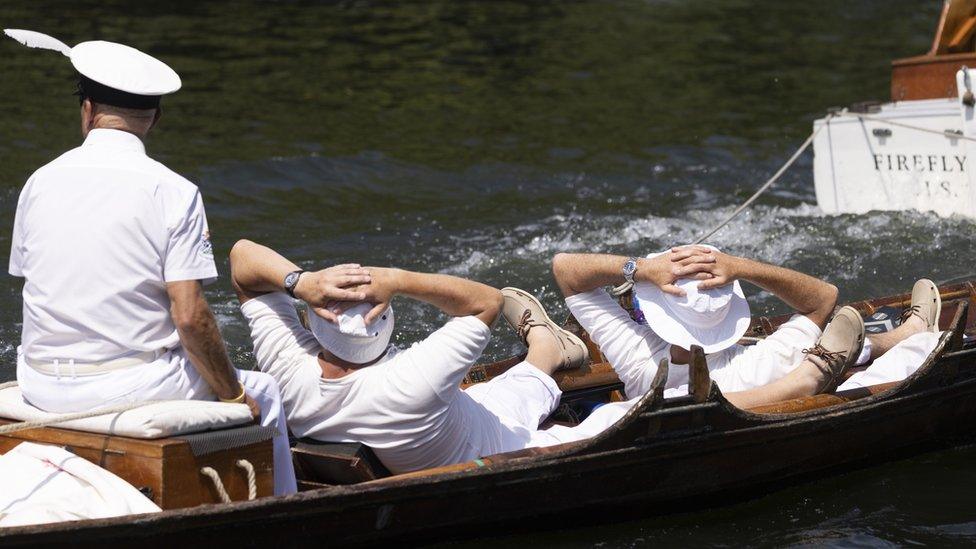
x=291 y=281
x=630 y=269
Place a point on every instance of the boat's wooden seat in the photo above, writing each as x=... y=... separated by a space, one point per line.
x=319 y=462
x=167 y=470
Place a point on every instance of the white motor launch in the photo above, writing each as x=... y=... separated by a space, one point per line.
x=881 y=157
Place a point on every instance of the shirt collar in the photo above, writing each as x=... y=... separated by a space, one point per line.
x=116 y=139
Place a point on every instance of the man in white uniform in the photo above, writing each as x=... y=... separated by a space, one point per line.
x=796 y=360
x=344 y=382
x=114 y=247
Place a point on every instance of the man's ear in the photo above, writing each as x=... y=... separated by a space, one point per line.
x=156 y=117
x=87 y=116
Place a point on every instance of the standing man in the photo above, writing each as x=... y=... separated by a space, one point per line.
x=114 y=249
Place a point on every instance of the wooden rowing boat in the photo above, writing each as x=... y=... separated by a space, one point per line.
x=663 y=453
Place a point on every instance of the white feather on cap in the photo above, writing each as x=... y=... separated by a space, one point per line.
x=33 y=39
x=116 y=66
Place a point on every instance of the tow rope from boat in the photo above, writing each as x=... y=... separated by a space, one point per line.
x=26 y=425
x=626 y=286
x=945 y=133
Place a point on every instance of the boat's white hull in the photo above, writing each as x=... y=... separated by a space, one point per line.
x=863 y=165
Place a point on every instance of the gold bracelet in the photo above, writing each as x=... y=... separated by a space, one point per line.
x=239 y=399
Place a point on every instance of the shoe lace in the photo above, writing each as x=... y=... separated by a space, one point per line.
x=830 y=357
x=913 y=310
x=524 y=325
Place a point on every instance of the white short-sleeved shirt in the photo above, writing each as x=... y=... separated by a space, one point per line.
x=409 y=407
x=634 y=350
x=98 y=233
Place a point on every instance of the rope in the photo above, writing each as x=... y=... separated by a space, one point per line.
x=765 y=187
x=25 y=425
x=252 y=485
x=870 y=118
x=626 y=286
x=210 y=473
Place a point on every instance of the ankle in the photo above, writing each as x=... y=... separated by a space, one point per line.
x=808 y=378
x=916 y=324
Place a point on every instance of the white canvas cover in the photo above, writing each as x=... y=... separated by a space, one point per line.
x=158 y=420
x=43 y=484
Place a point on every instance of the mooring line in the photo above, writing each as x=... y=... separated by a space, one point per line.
x=769 y=183
x=623 y=288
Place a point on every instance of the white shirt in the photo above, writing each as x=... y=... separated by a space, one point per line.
x=98 y=233
x=409 y=407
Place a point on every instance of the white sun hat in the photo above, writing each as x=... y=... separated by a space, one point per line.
x=351 y=339
x=714 y=319
x=111 y=73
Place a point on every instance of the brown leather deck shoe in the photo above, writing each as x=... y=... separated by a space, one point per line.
x=926 y=304
x=838 y=347
x=523 y=312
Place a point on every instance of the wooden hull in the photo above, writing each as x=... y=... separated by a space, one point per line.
x=928 y=76
x=663 y=454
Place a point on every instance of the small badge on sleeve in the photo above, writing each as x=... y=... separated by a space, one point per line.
x=206 y=248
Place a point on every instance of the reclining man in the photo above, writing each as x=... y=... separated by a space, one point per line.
x=344 y=382
x=691 y=296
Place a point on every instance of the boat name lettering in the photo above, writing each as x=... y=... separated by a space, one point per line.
x=919 y=162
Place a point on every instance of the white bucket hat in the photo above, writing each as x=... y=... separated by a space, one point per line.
x=714 y=319
x=351 y=339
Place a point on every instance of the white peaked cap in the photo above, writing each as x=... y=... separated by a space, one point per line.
x=124 y=68
x=115 y=66
x=713 y=319
x=351 y=339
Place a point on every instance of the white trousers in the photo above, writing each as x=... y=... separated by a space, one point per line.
x=171 y=377
x=898 y=363
x=520 y=399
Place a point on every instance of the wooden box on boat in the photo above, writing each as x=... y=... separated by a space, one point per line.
x=166 y=469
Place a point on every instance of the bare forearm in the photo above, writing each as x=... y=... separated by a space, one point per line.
x=455 y=296
x=805 y=294
x=257 y=269
x=580 y=273
x=202 y=341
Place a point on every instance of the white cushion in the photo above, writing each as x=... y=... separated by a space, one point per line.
x=158 y=420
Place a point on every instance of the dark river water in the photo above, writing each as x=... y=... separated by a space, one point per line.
x=480 y=138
